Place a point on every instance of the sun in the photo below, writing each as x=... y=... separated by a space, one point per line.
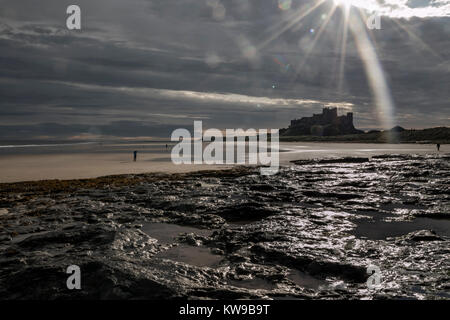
x=371 y=5
x=346 y=3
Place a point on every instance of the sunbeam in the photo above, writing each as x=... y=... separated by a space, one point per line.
x=290 y=24
x=316 y=38
x=366 y=50
x=374 y=72
x=343 y=48
x=424 y=46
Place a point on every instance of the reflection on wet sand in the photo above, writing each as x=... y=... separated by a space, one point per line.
x=308 y=232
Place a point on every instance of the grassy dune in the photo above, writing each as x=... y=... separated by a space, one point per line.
x=432 y=135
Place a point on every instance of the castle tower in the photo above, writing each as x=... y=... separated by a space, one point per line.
x=350 y=117
x=329 y=114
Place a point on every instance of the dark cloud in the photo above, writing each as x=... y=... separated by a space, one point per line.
x=155 y=65
x=72 y=131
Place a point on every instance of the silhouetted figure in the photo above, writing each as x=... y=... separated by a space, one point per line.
x=438 y=146
x=134 y=155
x=166 y=146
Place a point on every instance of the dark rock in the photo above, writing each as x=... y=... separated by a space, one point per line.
x=264 y=228
x=344 y=160
x=422 y=235
x=5 y=238
x=262 y=187
x=251 y=211
x=332 y=161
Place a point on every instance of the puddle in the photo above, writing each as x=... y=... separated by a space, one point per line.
x=255 y=283
x=166 y=233
x=305 y=280
x=196 y=256
x=394 y=206
x=380 y=230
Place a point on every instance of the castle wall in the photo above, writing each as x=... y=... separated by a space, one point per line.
x=327 y=123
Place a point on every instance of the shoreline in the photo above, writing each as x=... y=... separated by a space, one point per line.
x=288 y=139
x=108 y=160
x=398 y=135
x=119 y=180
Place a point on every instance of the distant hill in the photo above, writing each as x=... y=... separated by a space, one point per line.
x=396 y=135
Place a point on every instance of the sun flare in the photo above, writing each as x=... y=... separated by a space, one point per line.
x=345 y=3
x=370 y=5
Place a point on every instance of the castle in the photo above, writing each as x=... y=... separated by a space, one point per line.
x=328 y=123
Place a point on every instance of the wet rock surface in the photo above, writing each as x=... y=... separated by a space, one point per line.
x=309 y=232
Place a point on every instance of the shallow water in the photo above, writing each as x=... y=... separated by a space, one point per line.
x=167 y=233
x=305 y=280
x=380 y=230
x=196 y=256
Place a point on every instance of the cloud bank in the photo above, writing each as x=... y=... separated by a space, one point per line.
x=160 y=64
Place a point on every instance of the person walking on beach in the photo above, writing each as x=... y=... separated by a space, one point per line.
x=438 y=146
x=134 y=155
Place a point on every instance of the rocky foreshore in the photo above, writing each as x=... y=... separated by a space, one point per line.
x=309 y=232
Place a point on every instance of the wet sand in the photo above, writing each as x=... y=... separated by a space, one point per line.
x=82 y=166
x=64 y=162
x=88 y=161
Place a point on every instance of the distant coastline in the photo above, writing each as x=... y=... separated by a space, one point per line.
x=328 y=126
x=396 y=135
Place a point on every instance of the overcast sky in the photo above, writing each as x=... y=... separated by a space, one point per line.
x=146 y=67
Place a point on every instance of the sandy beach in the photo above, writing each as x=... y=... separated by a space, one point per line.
x=79 y=161
x=86 y=161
